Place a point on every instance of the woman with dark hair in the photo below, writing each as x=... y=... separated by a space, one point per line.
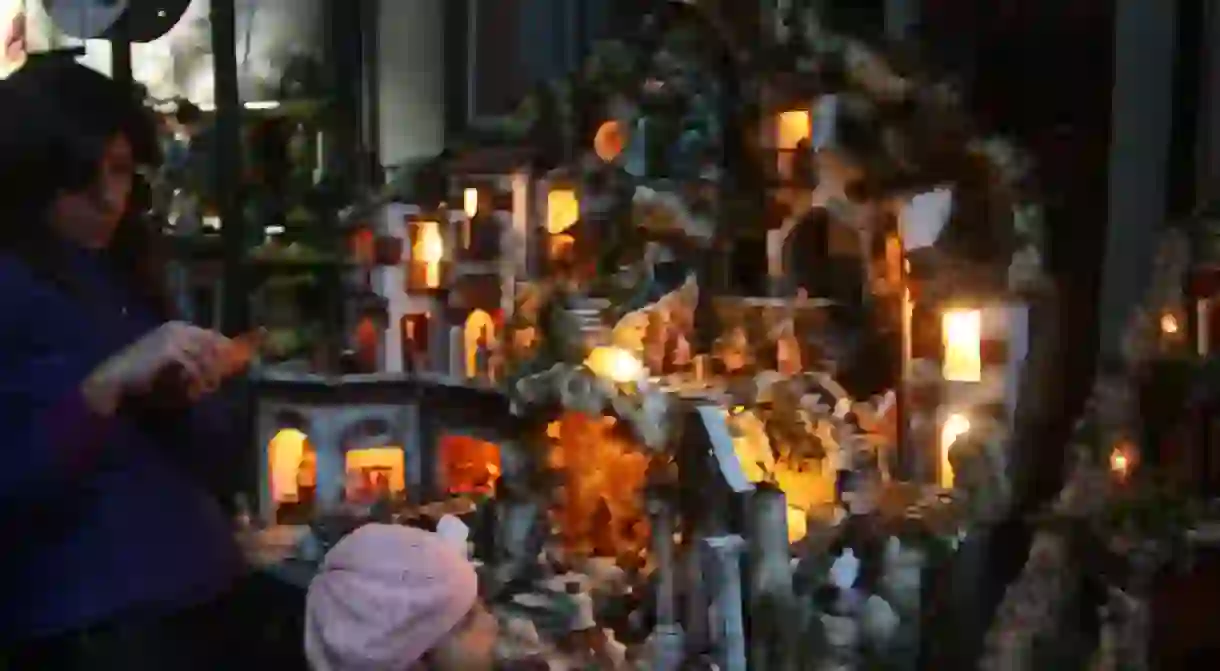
x=116 y=554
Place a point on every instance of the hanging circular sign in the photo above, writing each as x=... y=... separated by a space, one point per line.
x=136 y=20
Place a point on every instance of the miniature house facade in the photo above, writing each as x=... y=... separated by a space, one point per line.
x=965 y=360
x=323 y=444
x=442 y=301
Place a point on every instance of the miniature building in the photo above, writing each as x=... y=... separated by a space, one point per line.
x=323 y=443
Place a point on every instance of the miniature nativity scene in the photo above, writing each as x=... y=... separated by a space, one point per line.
x=652 y=468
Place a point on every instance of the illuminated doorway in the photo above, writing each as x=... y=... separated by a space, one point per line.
x=375 y=473
x=415 y=328
x=479 y=327
x=293 y=473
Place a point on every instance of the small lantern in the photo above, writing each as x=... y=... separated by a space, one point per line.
x=955 y=426
x=1122 y=460
x=470 y=202
x=962 y=333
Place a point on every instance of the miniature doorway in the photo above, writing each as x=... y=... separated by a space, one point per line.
x=374 y=462
x=468 y=465
x=367 y=341
x=374 y=473
x=480 y=326
x=293 y=474
x=415 y=329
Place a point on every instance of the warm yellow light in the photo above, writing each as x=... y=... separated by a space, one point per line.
x=954 y=427
x=615 y=364
x=962 y=332
x=470 y=201
x=792 y=127
x=752 y=446
x=1169 y=324
x=479 y=324
x=379 y=462
x=429 y=248
x=1120 y=461
x=798 y=525
x=284 y=456
x=562 y=210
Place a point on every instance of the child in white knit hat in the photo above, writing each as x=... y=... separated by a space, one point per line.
x=395 y=598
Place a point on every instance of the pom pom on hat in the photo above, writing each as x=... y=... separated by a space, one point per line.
x=385 y=596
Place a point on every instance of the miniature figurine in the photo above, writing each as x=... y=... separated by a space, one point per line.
x=482 y=356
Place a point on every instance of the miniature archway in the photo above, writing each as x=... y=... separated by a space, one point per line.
x=291 y=465
x=287 y=453
x=479 y=325
x=373 y=463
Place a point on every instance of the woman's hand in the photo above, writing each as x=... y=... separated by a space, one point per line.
x=176 y=355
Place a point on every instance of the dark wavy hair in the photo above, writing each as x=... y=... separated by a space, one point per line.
x=56 y=117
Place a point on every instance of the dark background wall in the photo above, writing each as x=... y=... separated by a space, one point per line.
x=1041 y=73
x=497 y=50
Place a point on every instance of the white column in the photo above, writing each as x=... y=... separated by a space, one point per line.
x=411 y=81
x=1142 y=104
x=728 y=622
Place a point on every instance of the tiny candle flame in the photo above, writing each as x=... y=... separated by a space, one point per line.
x=1120 y=463
x=1169 y=324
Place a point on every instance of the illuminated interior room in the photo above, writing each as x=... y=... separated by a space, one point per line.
x=468 y=465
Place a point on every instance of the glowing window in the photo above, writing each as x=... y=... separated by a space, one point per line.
x=562 y=210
